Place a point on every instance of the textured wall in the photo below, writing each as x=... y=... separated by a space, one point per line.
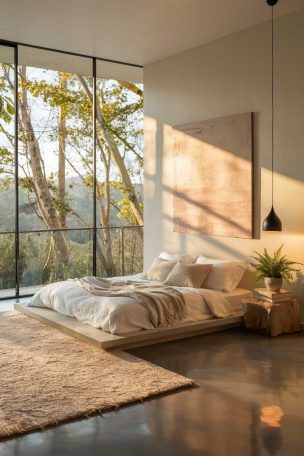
x=229 y=76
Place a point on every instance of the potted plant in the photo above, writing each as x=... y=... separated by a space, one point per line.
x=273 y=269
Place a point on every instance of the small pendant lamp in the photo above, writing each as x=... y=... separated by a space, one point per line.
x=272 y=221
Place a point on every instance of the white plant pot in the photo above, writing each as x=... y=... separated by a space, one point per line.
x=273 y=283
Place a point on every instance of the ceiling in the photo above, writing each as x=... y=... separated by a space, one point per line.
x=134 y=31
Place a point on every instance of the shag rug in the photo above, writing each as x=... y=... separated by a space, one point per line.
x=47 y=377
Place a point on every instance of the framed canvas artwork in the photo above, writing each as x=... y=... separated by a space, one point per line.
x=213 y=182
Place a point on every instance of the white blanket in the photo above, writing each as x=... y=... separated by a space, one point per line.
x=120 y=315
x=165 y=305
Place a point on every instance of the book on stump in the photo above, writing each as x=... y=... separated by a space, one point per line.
x=272 y=296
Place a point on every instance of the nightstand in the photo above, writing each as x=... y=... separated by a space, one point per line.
x=272 y=318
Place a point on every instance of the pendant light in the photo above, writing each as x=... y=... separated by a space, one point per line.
x=272 y=221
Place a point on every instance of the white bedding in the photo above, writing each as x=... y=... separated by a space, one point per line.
x=119 y=315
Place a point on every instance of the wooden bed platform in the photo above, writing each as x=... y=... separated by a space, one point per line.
x=105 y=340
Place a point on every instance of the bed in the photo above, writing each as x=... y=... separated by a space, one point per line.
x=121 y=315
x=145 y=308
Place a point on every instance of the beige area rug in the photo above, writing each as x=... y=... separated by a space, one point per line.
x=47 y=377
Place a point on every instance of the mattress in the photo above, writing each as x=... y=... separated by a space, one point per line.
x=198 y=310
x=236 y=296
x=120 y=315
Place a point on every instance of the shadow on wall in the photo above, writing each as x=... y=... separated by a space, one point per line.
x=248 y=281
x=186 y=226
x=210 y=164
x=159 y=192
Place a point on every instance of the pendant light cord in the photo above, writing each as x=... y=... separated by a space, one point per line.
x=272 y=103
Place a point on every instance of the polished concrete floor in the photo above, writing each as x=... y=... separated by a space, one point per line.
x=8 y=304
x=250 y=402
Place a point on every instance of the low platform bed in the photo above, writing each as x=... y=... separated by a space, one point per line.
x=107 y=341
x=90 y=309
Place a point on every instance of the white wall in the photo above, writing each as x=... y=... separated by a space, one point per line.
x=229 y=76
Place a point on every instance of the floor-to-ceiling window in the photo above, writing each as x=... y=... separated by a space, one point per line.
x=119 y=122
x=55 y=150
x=7 y=171
x=77 y=166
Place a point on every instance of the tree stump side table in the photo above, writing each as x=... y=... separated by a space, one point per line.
x=272 y=318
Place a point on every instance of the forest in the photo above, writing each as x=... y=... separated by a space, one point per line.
x=55 y=176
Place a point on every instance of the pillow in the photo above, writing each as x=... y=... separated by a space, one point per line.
x=176 y=257
x=188 y=275
x=225 y=275
x=159 y=270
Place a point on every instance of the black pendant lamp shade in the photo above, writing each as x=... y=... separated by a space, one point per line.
x=272 y=221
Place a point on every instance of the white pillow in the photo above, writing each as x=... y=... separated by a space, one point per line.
x=225 y=275
x=190 y=259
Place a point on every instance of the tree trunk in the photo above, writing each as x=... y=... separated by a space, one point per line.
x=61 y=155
x=106 y=237
x=42 y=191
x=132 y=87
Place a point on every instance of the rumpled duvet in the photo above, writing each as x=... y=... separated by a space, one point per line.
x=165 y=305
x=121 y=314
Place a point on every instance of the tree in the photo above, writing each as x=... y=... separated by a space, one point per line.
x=118 y=159
x=62 y=137
x=47 y=208
x=119 y=148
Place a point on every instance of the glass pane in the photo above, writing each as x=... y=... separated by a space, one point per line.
x=7 y=265
x=133 y=250
x=39 y=264
x=125 y=255
x=7 y=139
x=109 y=252
x=119 y=155
x=56 y=146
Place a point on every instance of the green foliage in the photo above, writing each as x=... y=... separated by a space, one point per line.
x=7 y=266
x=38 y=265
x=6 y=156
x=50 y=95
x=276 y=266
x=7 y=109
x=27 y=184
x=133 y=247
x=125 y=210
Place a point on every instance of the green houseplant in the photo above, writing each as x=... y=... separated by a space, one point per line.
x=273 y=269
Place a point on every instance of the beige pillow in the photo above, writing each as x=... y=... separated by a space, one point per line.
x=188 y=275
x=159 y=270
x=225 y=275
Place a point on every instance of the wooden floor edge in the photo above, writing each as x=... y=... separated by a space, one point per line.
x=105 y=340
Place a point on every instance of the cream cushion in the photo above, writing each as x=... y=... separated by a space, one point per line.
x=159 y=270
x=188 y=275
x=176 y=257
x=225 y=275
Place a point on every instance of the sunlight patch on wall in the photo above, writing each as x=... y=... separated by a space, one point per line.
x=150 y=127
